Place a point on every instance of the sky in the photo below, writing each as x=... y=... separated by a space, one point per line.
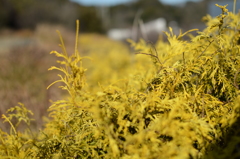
x=114 y=2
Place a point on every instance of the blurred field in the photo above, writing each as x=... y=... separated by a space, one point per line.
x=25 y=59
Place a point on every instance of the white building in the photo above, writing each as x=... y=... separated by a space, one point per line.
x=143 y=30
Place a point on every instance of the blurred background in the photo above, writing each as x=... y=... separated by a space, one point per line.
x=28 y=34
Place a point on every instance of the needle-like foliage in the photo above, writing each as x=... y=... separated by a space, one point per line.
x=176 y=99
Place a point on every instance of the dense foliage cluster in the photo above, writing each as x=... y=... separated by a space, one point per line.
x=173 y=100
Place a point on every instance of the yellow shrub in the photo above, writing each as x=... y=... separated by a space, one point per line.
x=172 y=100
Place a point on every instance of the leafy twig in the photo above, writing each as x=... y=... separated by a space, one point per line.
x=235 y=79
x=150 y=55
x=210 y=42
x=184 y=59
x=154 y=48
